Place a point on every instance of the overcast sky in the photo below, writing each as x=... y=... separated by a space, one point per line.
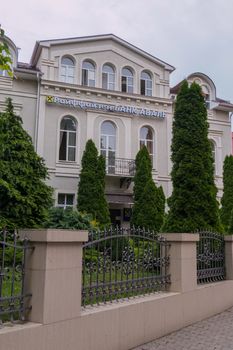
x=192 y=35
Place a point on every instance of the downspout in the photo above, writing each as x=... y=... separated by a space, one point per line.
x=38 y=76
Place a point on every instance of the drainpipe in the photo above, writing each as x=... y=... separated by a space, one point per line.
x=38 y=76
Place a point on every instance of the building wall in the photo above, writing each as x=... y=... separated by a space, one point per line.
x=42 y=119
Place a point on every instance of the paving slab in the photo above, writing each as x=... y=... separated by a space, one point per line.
x=214 y=333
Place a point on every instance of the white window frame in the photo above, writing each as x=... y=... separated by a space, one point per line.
x=65 y=205
x=145 y=142
x=113 y=75
x=68 y=132
x=128 y=84
x=110 y=168
x=148 y=90
x=89 y=72
x=68 y=76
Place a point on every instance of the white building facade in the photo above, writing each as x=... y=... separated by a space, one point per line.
x=105 y=89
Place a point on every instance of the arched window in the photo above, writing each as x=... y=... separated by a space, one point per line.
x=108 y=145
x=127 y=80
x=88 y=74
x=108 y=77
x=68 y=135
x=206 y=94
x=67 y=70
x=146 y=84
x=146 y=139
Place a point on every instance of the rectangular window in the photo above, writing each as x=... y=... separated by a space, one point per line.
x=143 y=88
x=65 y=200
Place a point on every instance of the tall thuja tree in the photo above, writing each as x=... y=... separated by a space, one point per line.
x=193 y=203
x=149 y=201
x=91 y=197
x=102 y=215
x=24 y=196
x=227 y=198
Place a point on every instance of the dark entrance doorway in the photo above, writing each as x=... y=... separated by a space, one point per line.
x=115 y=216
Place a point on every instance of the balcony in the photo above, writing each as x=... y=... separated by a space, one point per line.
x=120 y=167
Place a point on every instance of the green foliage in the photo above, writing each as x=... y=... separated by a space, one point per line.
x=68 y=219
x=149 y=201
x=148 y=210
x=91 y=187
x=24 y=196
x=5 y=57
x=143 y=172
x=227 y=198
x=193 y=203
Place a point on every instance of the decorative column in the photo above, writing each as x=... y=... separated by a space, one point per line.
x=183 y=261
x=54 y=274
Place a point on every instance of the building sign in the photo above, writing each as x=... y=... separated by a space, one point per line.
x=145 y=112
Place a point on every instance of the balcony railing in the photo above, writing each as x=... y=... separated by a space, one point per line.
x=120 y=166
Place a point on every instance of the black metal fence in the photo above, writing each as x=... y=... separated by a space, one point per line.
x=210 y=257
x=120 y=166
x=121 y=263
x=13 y=299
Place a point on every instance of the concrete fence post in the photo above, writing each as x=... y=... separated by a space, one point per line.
x=54 y=274
x=229 y=256
x=183 y=261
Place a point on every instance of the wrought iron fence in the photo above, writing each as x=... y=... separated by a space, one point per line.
x=13 y=299
x=121 y=263
x=120 y=166
x=210 y=257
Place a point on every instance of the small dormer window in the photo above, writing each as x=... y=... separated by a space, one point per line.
x=67 y=70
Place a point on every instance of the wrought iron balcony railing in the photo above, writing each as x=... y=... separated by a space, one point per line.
x=120 y=166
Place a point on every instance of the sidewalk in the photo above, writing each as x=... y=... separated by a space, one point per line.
x=215 y=333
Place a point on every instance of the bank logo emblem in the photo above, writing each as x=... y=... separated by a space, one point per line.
x=49 y=99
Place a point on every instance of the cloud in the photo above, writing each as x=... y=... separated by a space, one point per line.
x=192 y=35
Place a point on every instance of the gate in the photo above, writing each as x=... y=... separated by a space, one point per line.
x=210 y=257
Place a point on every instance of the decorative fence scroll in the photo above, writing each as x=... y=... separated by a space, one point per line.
x=121 y=263
x=210 y=257
x=12 y=274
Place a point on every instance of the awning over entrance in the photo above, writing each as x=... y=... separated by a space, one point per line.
x=119 y=198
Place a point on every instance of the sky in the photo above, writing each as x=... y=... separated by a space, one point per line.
x=192 y=35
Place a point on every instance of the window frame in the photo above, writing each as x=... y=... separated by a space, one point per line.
x=145 y=142
x=127 y=79
x=148 y=90
x=68 y=146
x=110 y=161
x=88 y=72
x=67 y=77
x=65 y=206
x=113 y=75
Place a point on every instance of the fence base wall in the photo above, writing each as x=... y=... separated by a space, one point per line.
x=122 y=325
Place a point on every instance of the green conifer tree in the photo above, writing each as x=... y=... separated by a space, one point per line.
x=91 y=197
x=24 y=196
x=193 y=203
x=227 y=198
x=143 y=172
x=149 y=201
